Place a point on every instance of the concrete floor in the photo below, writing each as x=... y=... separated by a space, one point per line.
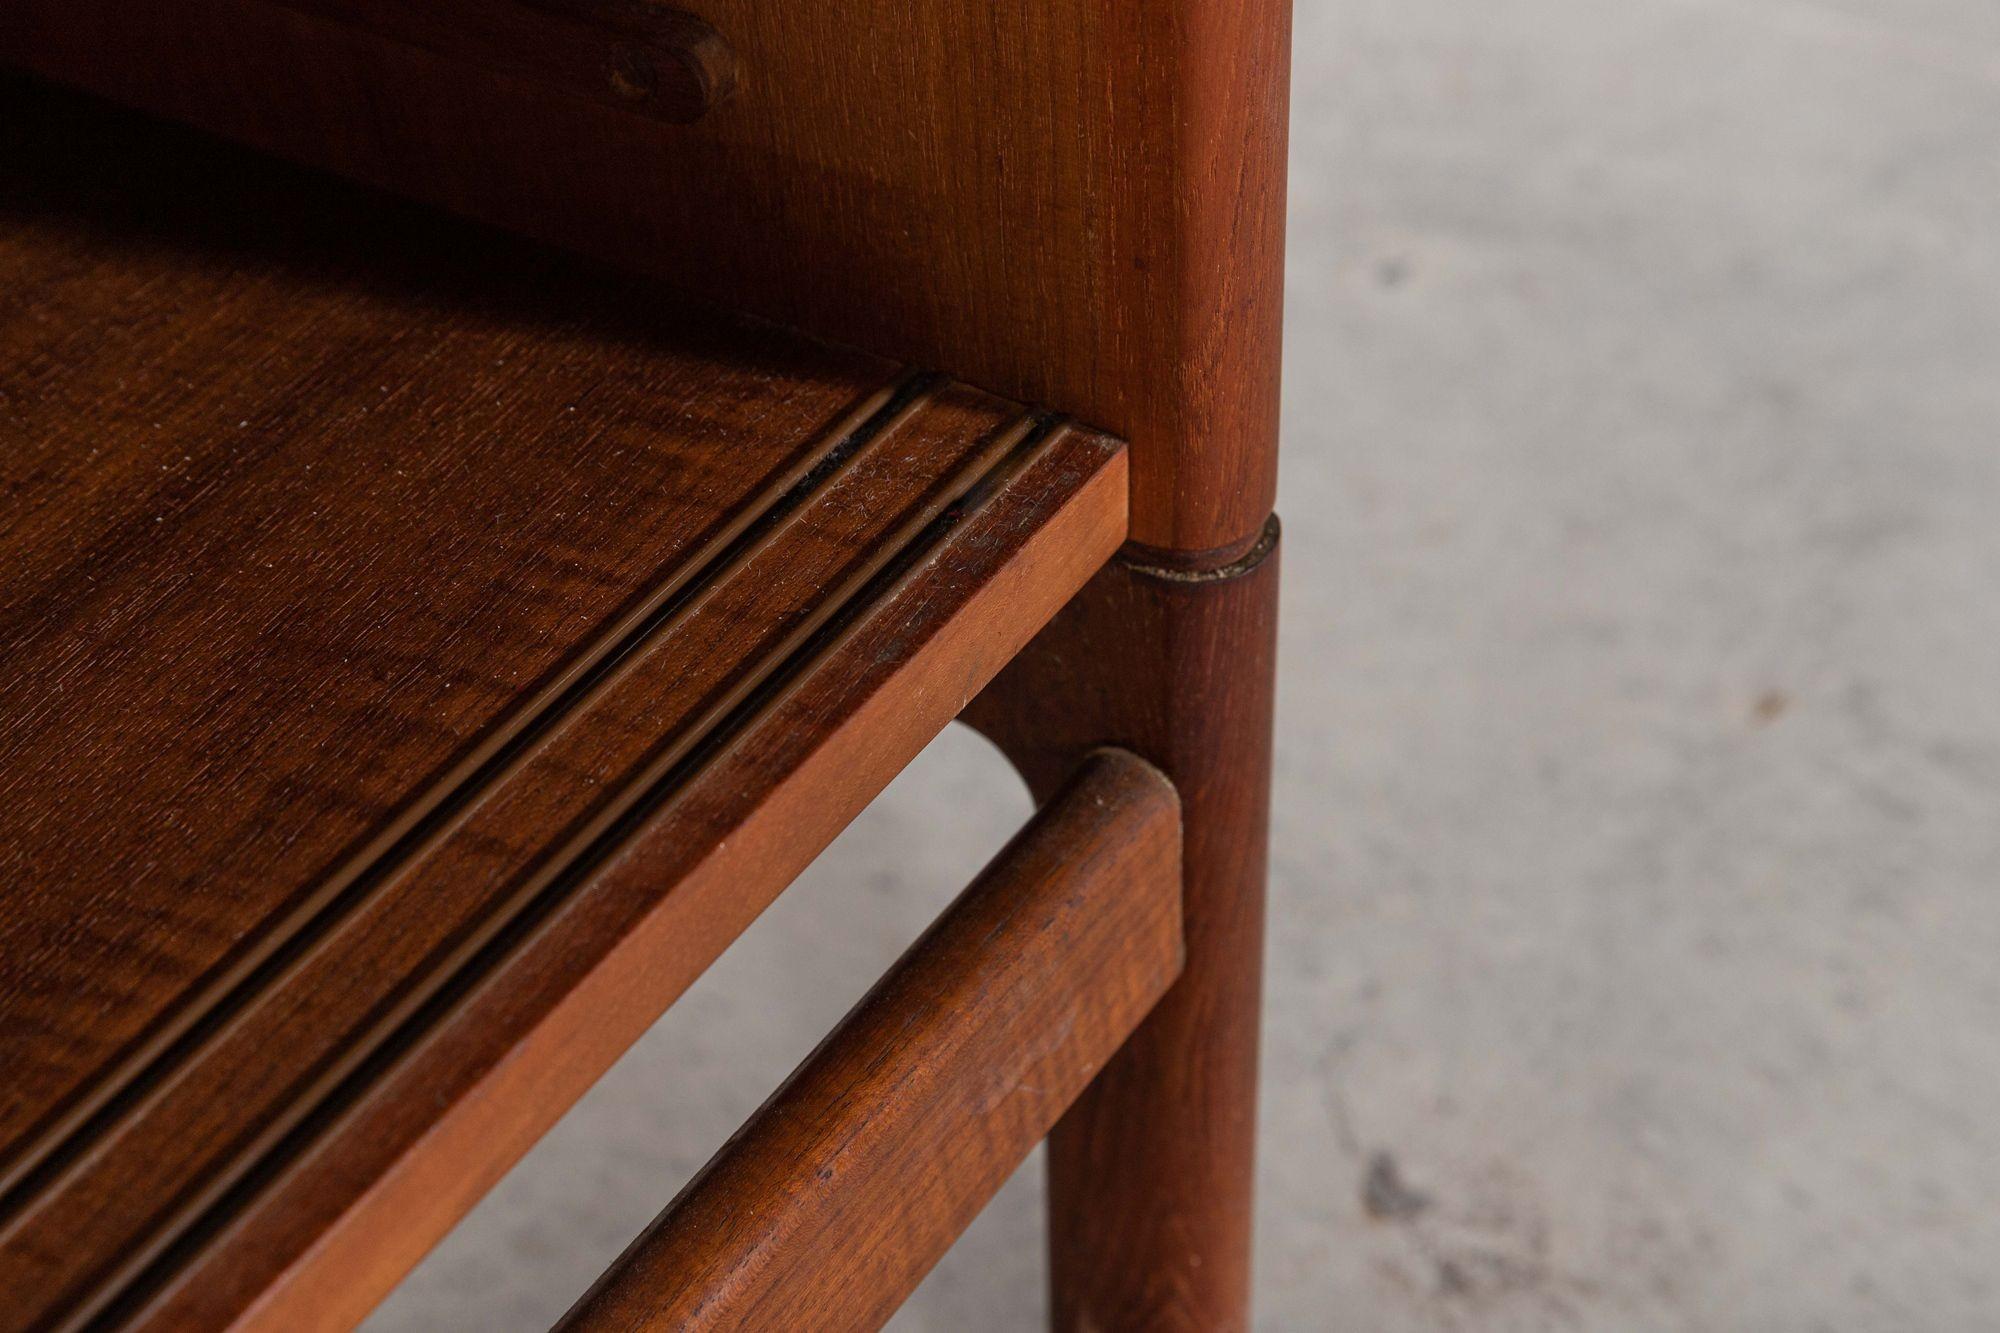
x=1638 y=831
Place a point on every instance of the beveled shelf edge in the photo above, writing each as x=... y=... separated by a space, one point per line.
x=279 y=1253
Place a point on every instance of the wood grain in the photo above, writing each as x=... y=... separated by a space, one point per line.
x=1150 y=1173
x=828 y=1207
x=425 y=654
x=198 y=353
x=1075 y=204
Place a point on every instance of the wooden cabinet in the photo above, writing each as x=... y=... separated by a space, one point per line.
x=426 y=648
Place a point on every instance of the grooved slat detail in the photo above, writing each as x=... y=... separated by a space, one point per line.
x=584 y=981
x=430 y=816
x=413 y=899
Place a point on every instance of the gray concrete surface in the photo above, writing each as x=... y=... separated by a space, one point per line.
x=1636 y=953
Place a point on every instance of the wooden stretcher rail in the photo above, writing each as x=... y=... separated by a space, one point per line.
x=830 y=1205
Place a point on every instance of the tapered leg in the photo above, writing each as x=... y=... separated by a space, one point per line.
x=1151 y=1170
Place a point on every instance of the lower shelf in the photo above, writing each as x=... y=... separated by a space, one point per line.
x=426 y=654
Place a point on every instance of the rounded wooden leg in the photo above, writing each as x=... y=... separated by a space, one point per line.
x=1151 y=1169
